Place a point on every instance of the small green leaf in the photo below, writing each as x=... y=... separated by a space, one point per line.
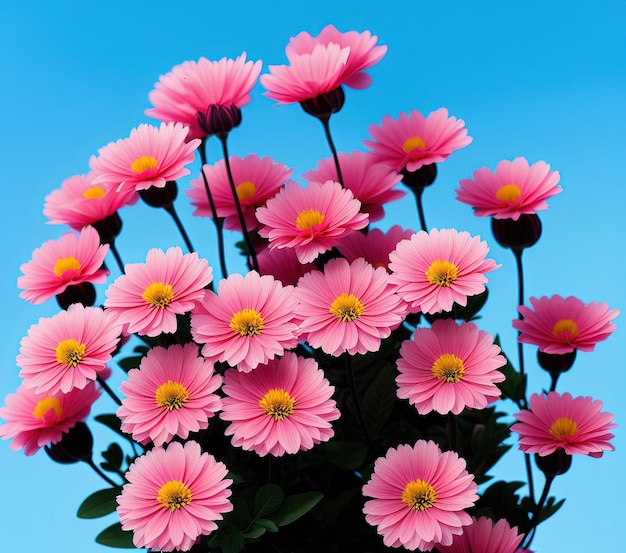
x=269 y=525
x=549 y=509
x=379 y=400
x=267 y=500
x=114 y=456
x=99 y=504
x=256 y=532
x=114 y=536
x=129 y=363
x=233 y=543
x=296 y=506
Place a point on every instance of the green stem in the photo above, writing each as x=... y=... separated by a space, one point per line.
x=326 y=124
x=100 y=473
x=116 y=255
x=520 y=301
x=108 y=390
x=420 y=208
x=544 y=495
x=172 y=211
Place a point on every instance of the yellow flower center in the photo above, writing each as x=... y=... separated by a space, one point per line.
x=419 y=495
x=143 y=164
x=508 y=193
x=247 y=322
x=171 y=395
x=347 y=308
x=413 y=143
x=277 y=403
x=442 y=273
x=563 y=428
x=448 y=367
x=174 y=495
x=245 y=190
x=70 y=353
x=95 y=192
x=158 y=294
x=44 y=405
x=569 y=327
x=308 y=218
x=66 y=264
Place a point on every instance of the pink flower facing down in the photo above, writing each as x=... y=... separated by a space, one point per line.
x=150 y=156
x=150 y=295
x=310 y=220
x=413 y=140
x=171 y=394
x=449 y=367
x=35 y=420
x=282 y=264
x=434 y=270
x=514 y=189
x=559 y=325
x=191 y=87
x=349 y=307
x=67 y=350
x=419 y=496
x=484 y=536
x=174 y=496
x=560 y=421
x=371 y=183
x=256 y=181
x=282 y=407
x=249 y=321
x=61 y=263
x=375 y=246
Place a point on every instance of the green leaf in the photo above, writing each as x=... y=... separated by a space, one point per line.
x=269 y=525
x=379 y=400
x=233 y=543
x=346 y=455
x=112 y=422
x=99 y=504
x=129 y=363
x=114 y=456
x=114 y=536
x=514 y=385
x=549 y=509
x=296 y=506
x=254 y=533
x=267 y=500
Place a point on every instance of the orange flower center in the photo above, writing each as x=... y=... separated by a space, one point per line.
x=508 y=193
x=449 y=368
x=442 y=273
x=308 y=218
x=245 y=190
x=171 y=395
x=45 y=405
x=277 y=404
x=247 y=322
x=419 y=495
x=158 y=294
x=174 y=495
x=347 y=308
x=143 y=165
x=95 y=192
x=66 y=264
x=567 y=327
x=70 y=353
x=563 y=428
x=413 y=143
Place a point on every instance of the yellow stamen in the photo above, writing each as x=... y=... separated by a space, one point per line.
x=508 y=193
x=413 y=143
x=70 y=352
x=347 y=307
x=245 y=190
x=247 y=322
x=158 y=294
x=171 y=395
x=442 y=273
x=569 y=327
x=174 y=495
x=308 y=218
x=44 y=405
x=143 y=164
x=277 y=403
x=563 y=428
x=448 y=367
x=66 y=264
x=95 y=192
x=419 y=495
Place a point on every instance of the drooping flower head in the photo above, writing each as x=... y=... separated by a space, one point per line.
x=170 y=394
x=413 y=140
x=375 y=246
x=249 y=321
x=434 y=270
x=68 y=261
x=282 y=407
x=348 y=307
x=419 y=496
x=311 y=219
x=483 y=535
x=67 y=350
x=575 y=424
x=173 y=496
x=35 y=420
x=514 y=189
x=150 y=295
x=561 y=325
x=449 y=367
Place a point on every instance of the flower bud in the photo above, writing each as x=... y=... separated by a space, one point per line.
x=108 y=228
x=83 y=292
x=420 y=179
x=324 y=105
x=160 y=197
x=75 y=445
x=219 y=120
x=557 y=462
x=556 y=362
x=517 y=235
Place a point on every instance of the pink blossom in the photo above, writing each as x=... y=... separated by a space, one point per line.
x=485 y=535
x=375 y=246
x=282 y=264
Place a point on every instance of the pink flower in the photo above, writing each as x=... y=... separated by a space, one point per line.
x=282 y=407
x=191 y=87
x=371 y=183
x=171 y=394
x=560 y=325
x=174 y=496
x=35 y=420
x=484 y=535
x=414 y=140
x=375 y=246
x=349 y=307
x=150 y=156
x=514 y=189
x=419 y=496
x=449 y=367
x=310 y=220
x=249 y=321
x=282 y=264
x=434 y=270
x=150 y=295
x=319 y=65
x=67 y=350
x=559 y=421
x=61 y=263
x=256 y=181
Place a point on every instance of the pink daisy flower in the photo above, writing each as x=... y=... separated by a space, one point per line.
x=559 y=325
x=485 y=536
x=434 y=270
x=249 y=321
x=150 y=295
x=514 y=189
x=449 y=367
x=282 y=264
x=560 y=421
x=150 y=156
x=282 y=407
x=371 y=183
x=375 y=246
x=349 y=307
x=414 y=140
x=171 y=394
x=35 y=420
x=174 y=496
x=310 y=220
x=61 y=263
x=419 y=496
x=256 y=181
x=191 y=87
x=67 y=350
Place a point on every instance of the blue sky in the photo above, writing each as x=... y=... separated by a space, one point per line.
x=530 y=79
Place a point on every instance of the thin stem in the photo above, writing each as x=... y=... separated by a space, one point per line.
x=326 y=124
x=100 y=473
x=179 y=224
x=420 y=208
x=537 y=510
x=554 y=377
x=108 y=390
x=520 y=301
x=116 y=255
x=355 y=396
x=529 y=474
